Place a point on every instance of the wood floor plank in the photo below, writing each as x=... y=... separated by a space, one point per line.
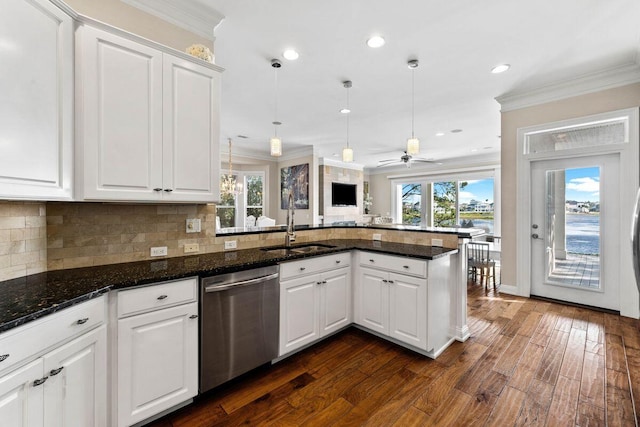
x=492 y=332
x=620 y=409
x=615 y=353
x=532 y=414
x=471 y=380
x=547 y=323
x=507 y=408
x=590 y=415
x=478 y=409
x=631 y=335
x=526 y=369
x=592 y=386
x=330 y=415
x=574 y=354
x=442 y=385
x=511 y=356
x=564 y=405
x=541 y=393
x=595 y=329
x=413 y=417
x=551 y=362
x=448 y=412
x=633 y=363
x=511 y=329
x=530 y=324
x=612 y=324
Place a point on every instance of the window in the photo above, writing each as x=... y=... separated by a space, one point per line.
x=234 y=210
x=254 y=202
x=465 y=200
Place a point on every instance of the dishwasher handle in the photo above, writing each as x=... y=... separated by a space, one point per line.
x=218 y=288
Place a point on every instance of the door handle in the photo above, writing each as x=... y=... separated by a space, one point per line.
x=535 y=236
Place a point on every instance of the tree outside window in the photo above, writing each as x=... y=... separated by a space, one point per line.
x=255 y=196
x=226 y=210
x=411 y=204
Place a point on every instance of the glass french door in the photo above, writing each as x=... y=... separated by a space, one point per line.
x=575 y=238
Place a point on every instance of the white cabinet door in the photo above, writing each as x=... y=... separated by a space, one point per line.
x=36 y=111
x=373 y=300
x=21 y=401
x=119 y=118
x=408 y=309
x=157 y=362
x=76 y=391
x=191 y=158
x=335 y=300
x=299 y=306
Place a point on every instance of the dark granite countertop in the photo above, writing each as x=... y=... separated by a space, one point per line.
x=461 y=232
x=25 y=299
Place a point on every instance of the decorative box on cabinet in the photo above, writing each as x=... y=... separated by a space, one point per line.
x=315 y=299
x=147 y=121
x=156 y=355
x=36 y=112
x=53 y=370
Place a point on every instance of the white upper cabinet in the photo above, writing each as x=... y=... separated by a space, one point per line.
x=36 y=108
x=147 y=122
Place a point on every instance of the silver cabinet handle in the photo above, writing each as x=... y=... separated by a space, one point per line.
x=390 y=281
x=218 y=288
x=303 y=268
x=318 y=283
x=405 y=266
x=371 y=260
x=338 y=261
x=168 y=190
x=40 y=381
x=157 y=189
x=55 y=372
x=161 y=297
x=82 y=321
x=193 y=316
x=4 y=357
x=385 y=281
x=324 y=282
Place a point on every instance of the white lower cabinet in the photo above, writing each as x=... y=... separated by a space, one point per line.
x=394 y=305
x=63 y=383
x=157 y=351
x=314 y=305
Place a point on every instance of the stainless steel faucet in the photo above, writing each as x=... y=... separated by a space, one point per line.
x=291 y=233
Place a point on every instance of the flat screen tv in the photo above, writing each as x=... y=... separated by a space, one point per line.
x=343 y=194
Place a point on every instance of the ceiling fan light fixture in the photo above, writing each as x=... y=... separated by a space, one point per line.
x=413 y=146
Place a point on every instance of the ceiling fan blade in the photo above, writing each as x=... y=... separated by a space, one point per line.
x=381 y=165
x=388 y=160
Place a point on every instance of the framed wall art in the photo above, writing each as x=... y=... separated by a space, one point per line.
x=295 y=179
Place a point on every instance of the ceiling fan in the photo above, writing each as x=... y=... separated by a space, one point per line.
x=407 y=159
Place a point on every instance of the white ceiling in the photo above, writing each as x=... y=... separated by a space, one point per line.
x=457 y=44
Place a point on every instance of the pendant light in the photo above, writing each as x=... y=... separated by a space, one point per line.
x=275 y=143
x=228 y=184
x=347 y=152
x=413 y=143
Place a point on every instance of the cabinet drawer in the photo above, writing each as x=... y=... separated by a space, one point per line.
x=156 y=296
x=35 y=337
x=314 y=265
x=402 y=265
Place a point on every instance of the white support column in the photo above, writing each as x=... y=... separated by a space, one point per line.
x=459 y=294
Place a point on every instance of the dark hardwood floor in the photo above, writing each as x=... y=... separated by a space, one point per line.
x=527 y=362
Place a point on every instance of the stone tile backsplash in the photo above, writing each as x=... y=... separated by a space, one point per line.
x=23 y=247
x=36 y=237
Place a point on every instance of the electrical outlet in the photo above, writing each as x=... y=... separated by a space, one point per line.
x=231 y=244
x=193 y=225
x=377 y=236
x=159 y=251
x=436 y=242
x=191 y=247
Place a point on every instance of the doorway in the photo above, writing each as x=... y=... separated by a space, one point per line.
x=575 y=209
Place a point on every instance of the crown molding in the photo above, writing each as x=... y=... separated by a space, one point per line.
x=193 y=16
x=588 y=83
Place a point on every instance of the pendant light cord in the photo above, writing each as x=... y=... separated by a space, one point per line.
x=348 y=114
x=413 y=99
x=275 y=112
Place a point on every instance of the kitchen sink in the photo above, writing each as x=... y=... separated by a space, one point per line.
x=298 y=249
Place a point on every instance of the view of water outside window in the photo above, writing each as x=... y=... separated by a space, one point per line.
x=254 y=186
x=411 y=199
x=475 y=202
x=582 y=209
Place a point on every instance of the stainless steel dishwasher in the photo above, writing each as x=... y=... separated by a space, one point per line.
x=239 y=324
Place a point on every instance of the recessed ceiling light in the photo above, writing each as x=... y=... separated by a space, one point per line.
x=375 y=41
x=456 y=130
x=440 y=134
x=290 y=54
x=345 y=111
x=473 y=150
x=500 y=68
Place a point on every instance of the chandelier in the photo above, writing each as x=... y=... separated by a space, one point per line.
x=228 y=184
